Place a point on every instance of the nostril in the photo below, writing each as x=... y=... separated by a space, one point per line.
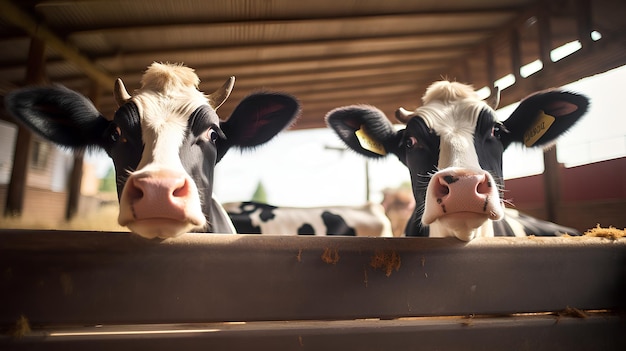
x=484 y=185
x=135 y=190
x=441 y=188
x=181 y=190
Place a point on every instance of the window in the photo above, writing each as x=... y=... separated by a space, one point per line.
x=39 y=154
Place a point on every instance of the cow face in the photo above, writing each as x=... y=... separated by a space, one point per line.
x=165 y=141
x=453 y=146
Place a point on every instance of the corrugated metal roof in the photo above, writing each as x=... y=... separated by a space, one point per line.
x=326 y=52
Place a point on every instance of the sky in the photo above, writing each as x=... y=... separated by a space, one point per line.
x=303 y=168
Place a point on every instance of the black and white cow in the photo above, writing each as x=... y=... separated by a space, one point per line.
x=453 y=146
x=259 y=218
x=165 y=141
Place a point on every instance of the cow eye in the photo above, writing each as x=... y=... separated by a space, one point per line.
x=411 y=142
x=113 y=133
x=497 y=130
x=212 y=135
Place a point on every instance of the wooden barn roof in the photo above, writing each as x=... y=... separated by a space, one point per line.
x=328 y=53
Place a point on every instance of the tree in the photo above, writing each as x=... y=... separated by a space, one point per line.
x=107 y=184
x=259 y=194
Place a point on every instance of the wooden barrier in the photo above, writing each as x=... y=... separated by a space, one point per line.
x=96 y=290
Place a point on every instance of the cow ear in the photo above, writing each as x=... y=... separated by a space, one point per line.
x=257 y=119
x=58 y=114
x=541 y=118
x=364 y=129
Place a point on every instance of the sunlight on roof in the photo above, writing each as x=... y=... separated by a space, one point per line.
x=565 y=50
x=595 y=35
x=505 y=81
x=529 y=69
x=483 y=92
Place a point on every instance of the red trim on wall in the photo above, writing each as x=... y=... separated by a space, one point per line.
x=595 y=181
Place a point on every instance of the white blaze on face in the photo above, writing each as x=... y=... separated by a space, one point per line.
x=461 y=197
x=163 y=129
x=165 y=102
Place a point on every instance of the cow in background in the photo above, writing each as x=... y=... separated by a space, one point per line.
x=453 y=146
x=259 y=218
x=399 y=205
x=165 y=141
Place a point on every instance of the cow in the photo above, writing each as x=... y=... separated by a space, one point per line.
x=258 y=218
x=399 y=205
x=453 y=146
x=164 y=140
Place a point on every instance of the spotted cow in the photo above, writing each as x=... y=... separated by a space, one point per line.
x=258 y=218
x=453 y=146
x=165 y=141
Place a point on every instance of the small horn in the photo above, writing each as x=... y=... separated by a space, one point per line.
x=217 y=98
x=494 y=99
x=403 y=115
x=120 y=93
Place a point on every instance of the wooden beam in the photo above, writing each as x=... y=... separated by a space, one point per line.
x=461 y=37
x=545 y=332
x=305 y=19
x=16 y=16
x=56 y=278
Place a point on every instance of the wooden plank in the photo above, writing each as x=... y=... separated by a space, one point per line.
x=90 y=278
x=596 y=332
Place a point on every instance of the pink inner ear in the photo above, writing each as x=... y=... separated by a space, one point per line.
x=561 y=108
x=352 y=123
x=269 y=108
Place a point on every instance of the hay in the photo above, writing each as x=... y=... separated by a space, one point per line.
x=608 y=233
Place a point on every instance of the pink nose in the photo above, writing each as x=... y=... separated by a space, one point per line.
x=457 y=191
x=161 y=195
x=469 y=192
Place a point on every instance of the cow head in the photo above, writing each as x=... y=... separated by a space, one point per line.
x=453 y=146
x=165 y=141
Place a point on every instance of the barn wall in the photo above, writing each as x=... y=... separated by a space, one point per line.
x=40 y=205
x=43 y=208
x=590 y=194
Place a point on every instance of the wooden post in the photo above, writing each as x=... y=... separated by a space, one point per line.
x=491 y=66
x=76 y=176
x=516 y=55
x=545 y=38
x=367 y=180
x=584 y=23
x=551 y=184
x=550 y=162
x=75 y=182
x=35 y=73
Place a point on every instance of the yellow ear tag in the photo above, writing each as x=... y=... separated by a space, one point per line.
x=368 y=143
x=539 y=128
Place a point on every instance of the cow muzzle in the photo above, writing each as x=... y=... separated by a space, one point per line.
x=461 y=201
x=160 y=204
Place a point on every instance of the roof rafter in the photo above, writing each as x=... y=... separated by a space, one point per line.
x=13 y=14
